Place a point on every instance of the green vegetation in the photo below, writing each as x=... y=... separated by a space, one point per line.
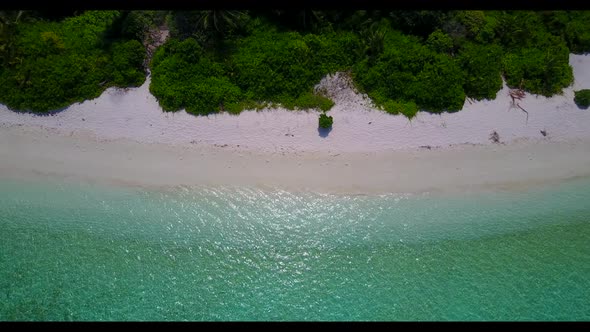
x=232 y=60
x=325 y=121
x=265 y=66
x=184 y=77
x=309 y=101
x=582 y=98
x=483 y=66
x=572 y=26
x=49 y=65
x=407 y=70
x=137 y=23
x=408 y=109
x=536 y=60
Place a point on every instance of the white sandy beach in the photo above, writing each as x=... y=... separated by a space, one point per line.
x=124 y=137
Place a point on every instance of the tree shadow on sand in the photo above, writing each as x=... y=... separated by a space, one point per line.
x=46 y=113
x=324 y=132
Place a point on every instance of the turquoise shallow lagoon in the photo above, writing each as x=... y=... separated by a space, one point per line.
x=95 y=252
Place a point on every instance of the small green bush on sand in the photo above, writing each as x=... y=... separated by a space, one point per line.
x=582 y=98
x=325 y=121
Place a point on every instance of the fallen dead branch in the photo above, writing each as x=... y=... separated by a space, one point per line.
x=518 y=95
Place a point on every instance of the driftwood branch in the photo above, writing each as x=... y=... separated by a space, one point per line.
x=527 y=113
x=518 y=94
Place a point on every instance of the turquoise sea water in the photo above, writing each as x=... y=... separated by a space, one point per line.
x=90 y=252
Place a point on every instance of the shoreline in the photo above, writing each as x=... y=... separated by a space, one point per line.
x=29 y=152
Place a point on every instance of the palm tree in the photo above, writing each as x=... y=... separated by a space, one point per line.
x=219 y=21
x=373 y=37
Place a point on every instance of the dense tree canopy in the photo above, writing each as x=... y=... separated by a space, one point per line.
x=230 y=60
x=265 y=66
x=51 y=64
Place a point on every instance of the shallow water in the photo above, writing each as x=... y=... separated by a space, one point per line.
x=95 y=252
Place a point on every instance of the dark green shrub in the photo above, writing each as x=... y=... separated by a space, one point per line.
x=577 y=33
x=236 y=108
x=325 y=121
x=127 y=58
x=267 y=66
x=409 y=109
x=310 y=101
x=573 y=26
x=483 y=70
x=518 y=29
x=543 y=70
x=333 y=51
x=137 y=23
x=408 y=70
x=582 y=98
x=440 y=42
x=211 y=94
x=271 y=66
x=231 y=60
x=487 y=32
x=535 y=58
x=55 y=64
x=282 y=66
x=185 y=77
x=473 y=21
